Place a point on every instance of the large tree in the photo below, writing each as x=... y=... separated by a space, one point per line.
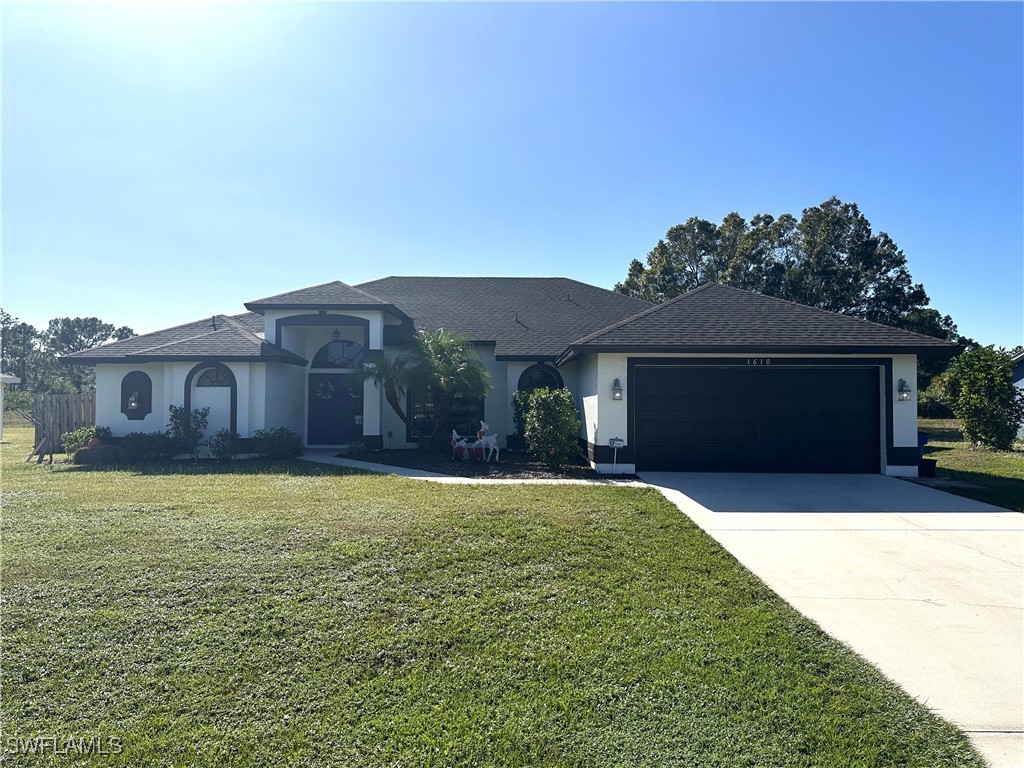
x=829 y=258
x=32 y=355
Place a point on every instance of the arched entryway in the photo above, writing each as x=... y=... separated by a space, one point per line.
x=335 y=393
x=213 y=386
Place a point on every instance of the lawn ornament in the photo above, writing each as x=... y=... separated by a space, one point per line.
x=460 y=448
x=486 y=445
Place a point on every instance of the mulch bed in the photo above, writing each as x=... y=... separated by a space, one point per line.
x=514 y=465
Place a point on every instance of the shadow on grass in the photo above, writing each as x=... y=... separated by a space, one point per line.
x=1006 y=492
x=212 y=467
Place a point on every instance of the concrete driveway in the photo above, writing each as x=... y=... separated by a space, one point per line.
x=926 y=585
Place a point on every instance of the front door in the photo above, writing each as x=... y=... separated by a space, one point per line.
x=335 y=409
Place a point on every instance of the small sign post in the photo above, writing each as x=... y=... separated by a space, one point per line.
x=615 y=443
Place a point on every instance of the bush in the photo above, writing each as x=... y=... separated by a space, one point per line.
x=104 y=434
x=551 y=426
x=186 y=428
x=520 y=404
x=933 y=401
x=99 y=454
x=144 y=447
x=224 y=444
x=72 y=441
x=277 y=443
x=980 y=388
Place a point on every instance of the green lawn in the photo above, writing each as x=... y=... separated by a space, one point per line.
x=995 y=477
x=293 y=614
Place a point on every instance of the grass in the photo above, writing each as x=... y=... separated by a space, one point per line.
x=995 y=477
x=294 y=614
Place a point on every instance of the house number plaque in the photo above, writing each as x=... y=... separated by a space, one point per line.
x=759 y=361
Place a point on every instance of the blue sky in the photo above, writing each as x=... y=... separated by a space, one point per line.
x=164 y=162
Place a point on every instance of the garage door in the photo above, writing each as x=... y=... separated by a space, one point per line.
x=756 y=419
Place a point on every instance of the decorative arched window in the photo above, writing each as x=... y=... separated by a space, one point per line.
x=136 y=395
x=215 y=377
x=540 y=376
x=339 y=353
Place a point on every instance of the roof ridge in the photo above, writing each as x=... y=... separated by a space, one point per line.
x=642 y=313
x=240 y=328
x=826 y=311
x=140 y=337
x=314 y=287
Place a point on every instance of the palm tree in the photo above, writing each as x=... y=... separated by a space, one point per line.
x=391 y=375
x=447 y=363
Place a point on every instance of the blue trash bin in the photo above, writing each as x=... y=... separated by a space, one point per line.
x=922 y=441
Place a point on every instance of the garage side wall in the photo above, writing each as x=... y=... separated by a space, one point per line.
x=902 y=459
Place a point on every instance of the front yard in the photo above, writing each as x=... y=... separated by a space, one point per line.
x=295 y=614
x=995 y=477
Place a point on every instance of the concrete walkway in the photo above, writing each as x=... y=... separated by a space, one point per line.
x=926 y=585
x=323 y=457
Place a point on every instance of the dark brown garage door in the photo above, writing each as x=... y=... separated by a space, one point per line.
x=756 y=419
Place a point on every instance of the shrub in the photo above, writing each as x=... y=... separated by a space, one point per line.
x=980 y=387
x=224 y=444
x=144 y=447
x=551 y=426
x=186 y=428
x=72 y=441
x=104 y=434
x=277 y=443
x=99 y=454
x=520 y=403
x=932 y=404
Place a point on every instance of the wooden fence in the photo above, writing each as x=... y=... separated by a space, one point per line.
x=53 y=415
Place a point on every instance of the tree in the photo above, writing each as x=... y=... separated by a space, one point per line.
x=980 y=388
x=65 y=335
x=447 y=363
x=392 y=375
x=829 y=259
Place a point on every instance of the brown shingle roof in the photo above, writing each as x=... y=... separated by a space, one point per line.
x=525 y=317
x=719 y=318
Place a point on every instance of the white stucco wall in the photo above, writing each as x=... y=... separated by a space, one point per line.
x=284 y=393
x=296 y=342
x=108 y=398
x=169 y=389
x=904 y=414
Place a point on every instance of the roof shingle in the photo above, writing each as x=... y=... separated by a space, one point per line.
x=222 y=337
x=720 y=318
x=525 y=317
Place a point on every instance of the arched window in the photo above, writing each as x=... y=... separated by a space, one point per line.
x=136 y=395
x=215 y=377
x=339 y=353
x=540 y=376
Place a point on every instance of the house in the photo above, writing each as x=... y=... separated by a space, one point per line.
x=718 y=379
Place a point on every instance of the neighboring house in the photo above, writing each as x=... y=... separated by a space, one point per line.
x=5 y=378
x=719 y=379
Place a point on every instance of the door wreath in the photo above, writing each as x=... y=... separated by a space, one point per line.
x=325 y=390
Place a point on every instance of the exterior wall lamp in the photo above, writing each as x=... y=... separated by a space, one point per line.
x=903 y=391
x=133 y=401
x=616 y=390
